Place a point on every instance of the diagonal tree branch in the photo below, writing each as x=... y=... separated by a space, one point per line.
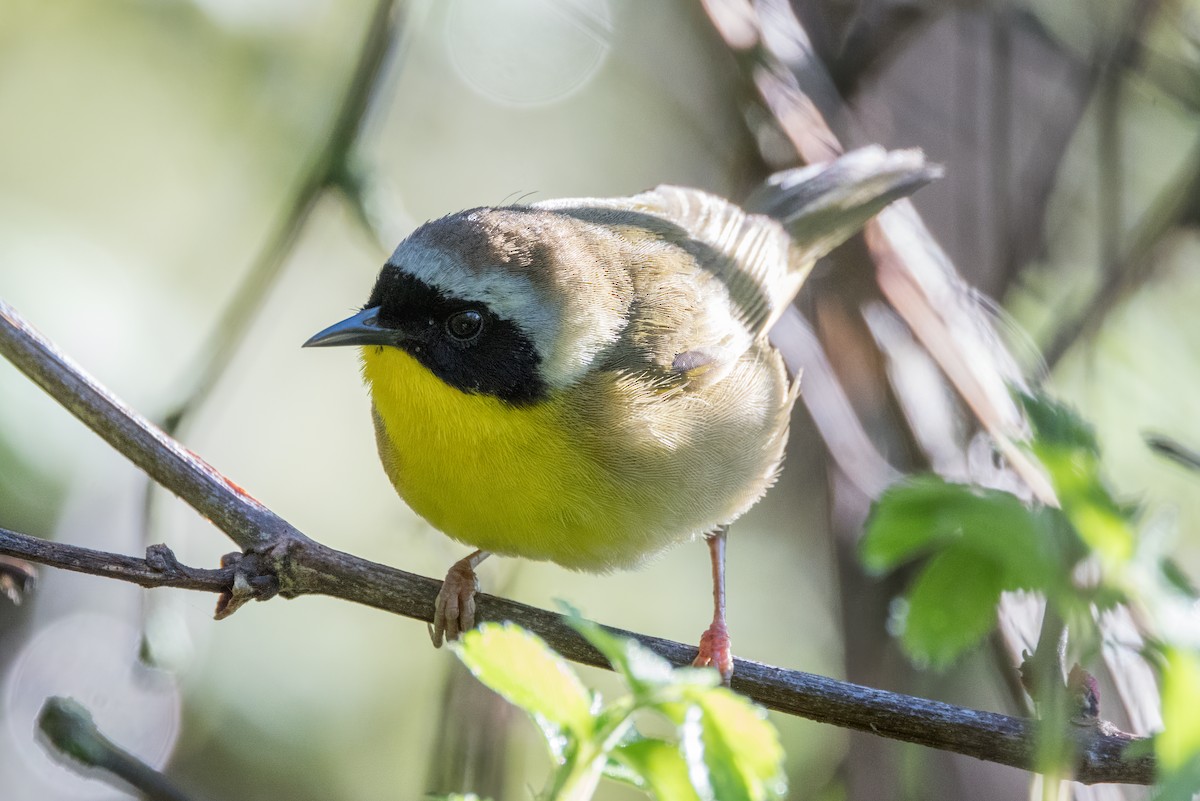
x=279 y=559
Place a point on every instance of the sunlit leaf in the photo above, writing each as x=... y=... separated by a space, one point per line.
x=1179 y=742
x=521 y=667
x=1103 y=527
x=694 y=749
x=658 y=766
x=745 y=759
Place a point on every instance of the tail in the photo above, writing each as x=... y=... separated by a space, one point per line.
x=823 y=205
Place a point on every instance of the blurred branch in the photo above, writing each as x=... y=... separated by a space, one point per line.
x=70 y=731
x=1173 y=450
x=279 y=559
x=331 y=167
x=1135 y=265
x=1122 y=268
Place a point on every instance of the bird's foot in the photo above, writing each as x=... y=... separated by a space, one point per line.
x=716 y=650
x=454 y=607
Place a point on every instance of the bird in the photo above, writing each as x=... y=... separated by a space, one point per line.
x=590 y=381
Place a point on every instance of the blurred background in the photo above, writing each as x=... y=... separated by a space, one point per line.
x=173 y=169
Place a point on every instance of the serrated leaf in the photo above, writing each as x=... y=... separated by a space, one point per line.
x=928 y=513
x=729 y=782
x=750 y=742
x=1179 y=742
x=660 y=768
x=521 y=667
x=950 y=607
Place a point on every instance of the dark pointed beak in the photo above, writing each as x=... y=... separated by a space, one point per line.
x=361 y=329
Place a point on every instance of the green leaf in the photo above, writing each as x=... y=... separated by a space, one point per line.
x=982 y=542
x=656 y=766
x=1057 y=425
x=902 y=522
x=732 y=752
x=742 y=750
x=1102 y=524
x=1179 y=743
x=950 y=607
x=1033 y=546
x=521 y=667
x=1066 y=446
x=926 y=513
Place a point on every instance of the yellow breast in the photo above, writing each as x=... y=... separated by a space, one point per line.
x=507 y=479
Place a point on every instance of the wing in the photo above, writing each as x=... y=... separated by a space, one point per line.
x=710 y=278
x=748 y=255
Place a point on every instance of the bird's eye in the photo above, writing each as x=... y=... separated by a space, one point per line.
x=464 y=325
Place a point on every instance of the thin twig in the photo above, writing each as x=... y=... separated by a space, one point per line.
x=279 y=559
x=158 y=569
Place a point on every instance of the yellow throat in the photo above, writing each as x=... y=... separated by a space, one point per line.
x=504 y=478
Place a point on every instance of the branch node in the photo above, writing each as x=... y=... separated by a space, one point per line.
x=254 y=579
x=162 y=559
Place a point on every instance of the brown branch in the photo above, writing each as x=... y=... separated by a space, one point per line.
x=158 y=569
x=280 y=559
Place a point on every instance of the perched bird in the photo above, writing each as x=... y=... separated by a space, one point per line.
x=590 y=381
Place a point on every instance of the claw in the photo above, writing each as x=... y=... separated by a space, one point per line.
x=716 y=650
x=454 y=607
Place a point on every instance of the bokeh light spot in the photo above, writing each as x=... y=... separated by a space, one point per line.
x=528 y=52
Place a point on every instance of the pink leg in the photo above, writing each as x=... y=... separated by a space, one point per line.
x=454 y=608
x=715 y=647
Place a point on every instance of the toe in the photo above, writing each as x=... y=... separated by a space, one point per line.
x=454 y=609
x=466 y=614
x=716 y=650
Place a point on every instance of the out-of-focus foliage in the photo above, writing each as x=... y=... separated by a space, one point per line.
x=979 y=543
x=1178 y=746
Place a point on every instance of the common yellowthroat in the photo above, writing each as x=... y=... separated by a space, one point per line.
x=590 y=381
